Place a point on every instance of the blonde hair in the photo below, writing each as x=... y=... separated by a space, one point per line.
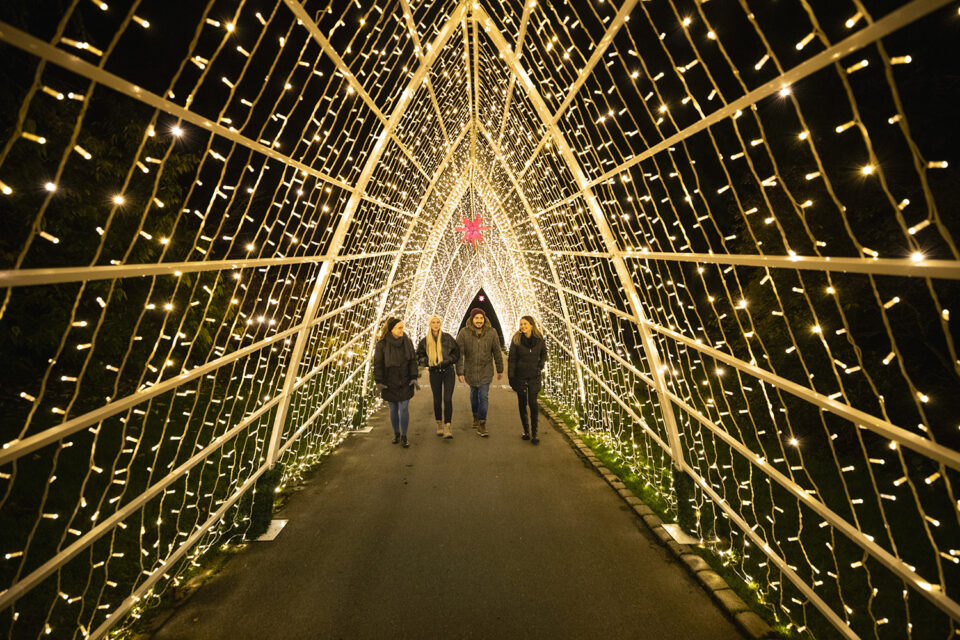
x=535 y=331
x=434 y=345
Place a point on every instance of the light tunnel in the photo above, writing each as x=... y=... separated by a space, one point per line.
x=735 y=222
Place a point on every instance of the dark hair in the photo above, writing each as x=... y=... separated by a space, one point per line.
x=388 y=326
x=535 y=331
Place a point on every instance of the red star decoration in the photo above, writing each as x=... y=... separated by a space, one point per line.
x=472 y=230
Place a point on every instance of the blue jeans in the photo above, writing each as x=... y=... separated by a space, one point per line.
x=400 y=416
x=478 y=400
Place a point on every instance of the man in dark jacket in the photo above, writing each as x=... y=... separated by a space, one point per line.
x=479 y=353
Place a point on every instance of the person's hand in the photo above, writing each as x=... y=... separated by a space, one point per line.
x=381 y=386
x=461 y=378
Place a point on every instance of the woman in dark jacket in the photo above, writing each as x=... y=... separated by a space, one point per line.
x=395 y=371
x=528 y=353
x=439 y=352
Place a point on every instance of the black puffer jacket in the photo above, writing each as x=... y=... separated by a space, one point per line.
x=526 y=360
x=449 y=352
x=395 y=365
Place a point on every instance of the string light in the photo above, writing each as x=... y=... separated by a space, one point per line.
x=604 y=206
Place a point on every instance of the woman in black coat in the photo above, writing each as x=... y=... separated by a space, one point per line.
x=439 y=352
x=395 y=371
x=528 y=354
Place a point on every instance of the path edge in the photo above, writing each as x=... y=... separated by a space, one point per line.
x=726 y=599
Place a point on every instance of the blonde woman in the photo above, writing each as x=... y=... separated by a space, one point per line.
x=395 y=371
x=528 y=354
x=439 y=352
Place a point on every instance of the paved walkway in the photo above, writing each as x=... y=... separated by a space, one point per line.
x=461 y=538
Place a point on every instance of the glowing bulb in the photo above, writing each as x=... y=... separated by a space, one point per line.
x=177 y=131
x=916 y=256
x=50 y=187
x=785 y=92
x=794 y=442
x=168 y=307
x=250 y=247
x=118 y=199
x=867 y=169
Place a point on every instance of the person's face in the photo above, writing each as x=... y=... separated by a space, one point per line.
x=525 y=327
x=435 y=325
x=478 y=320
x=397 y=330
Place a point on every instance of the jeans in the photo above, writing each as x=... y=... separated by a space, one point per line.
x=478 y=400
x=441 y=383
x=527 y=391
x=400 y=416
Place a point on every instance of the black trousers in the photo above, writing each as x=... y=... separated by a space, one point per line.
x=441 y=383
x=527 y=391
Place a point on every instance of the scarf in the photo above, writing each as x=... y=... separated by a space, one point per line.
x=434 y=350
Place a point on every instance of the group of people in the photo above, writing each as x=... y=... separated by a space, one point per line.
x=471 y=358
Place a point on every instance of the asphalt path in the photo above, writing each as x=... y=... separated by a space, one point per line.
x=463 y=538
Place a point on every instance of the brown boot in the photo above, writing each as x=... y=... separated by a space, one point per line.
x=476 y=423
x=447 y=433
x=439 y=427
x=482 y=429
